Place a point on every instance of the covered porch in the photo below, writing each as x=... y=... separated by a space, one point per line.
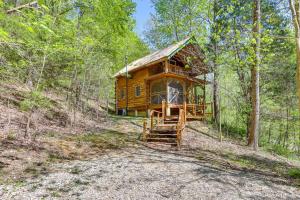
x=168 y=93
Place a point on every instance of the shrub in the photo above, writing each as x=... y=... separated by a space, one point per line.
x=294 y=173
x=34 y=99
x=280 y=150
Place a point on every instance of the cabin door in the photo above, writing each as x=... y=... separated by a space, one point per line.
x=175 y=92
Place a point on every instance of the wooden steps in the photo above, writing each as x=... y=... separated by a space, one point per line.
x=156 y=143
x=163 y=129
x=163 y=136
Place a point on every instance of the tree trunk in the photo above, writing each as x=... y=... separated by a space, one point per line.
x=298 y=68
x=255 y=99
x=215 y=67
x=216 y=97
x=295 y=9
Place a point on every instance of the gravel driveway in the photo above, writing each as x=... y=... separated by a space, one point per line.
x=144 y=173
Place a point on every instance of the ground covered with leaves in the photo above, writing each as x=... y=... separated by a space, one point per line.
x=103 y=157
x=114 y=164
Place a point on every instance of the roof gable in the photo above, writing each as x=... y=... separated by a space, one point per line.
x=155 y=56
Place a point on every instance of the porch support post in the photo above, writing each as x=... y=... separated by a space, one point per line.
x=166 y=66
x=148 y=112
x=184 y=108
x=168 y=110
x=163 y=109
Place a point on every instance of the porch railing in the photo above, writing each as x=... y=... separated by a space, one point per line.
x=178 y=70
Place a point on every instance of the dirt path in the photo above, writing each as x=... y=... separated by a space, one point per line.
x=145 y=173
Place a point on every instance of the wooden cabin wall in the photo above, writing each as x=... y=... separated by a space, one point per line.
x=134 y=103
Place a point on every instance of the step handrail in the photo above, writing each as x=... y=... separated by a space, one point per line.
x=180 y=127
x=145 y=131
x=158 y=116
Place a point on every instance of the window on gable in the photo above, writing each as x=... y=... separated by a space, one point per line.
x=137 y=91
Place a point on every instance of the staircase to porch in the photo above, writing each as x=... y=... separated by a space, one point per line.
x=168 y=129
x=165 y=130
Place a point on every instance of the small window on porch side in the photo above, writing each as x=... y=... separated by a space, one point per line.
x=137 y=91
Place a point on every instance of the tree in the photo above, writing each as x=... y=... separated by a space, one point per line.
x=214 y=43
x=295 y=6
x=255 y=96
x=74 y=45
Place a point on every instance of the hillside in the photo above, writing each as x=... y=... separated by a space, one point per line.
x=104 y=157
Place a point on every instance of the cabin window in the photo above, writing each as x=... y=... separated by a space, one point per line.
x=137 y=91
x=122 y=93
x=158 y=92
x=175 y=92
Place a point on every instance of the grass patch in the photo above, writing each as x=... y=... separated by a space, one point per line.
x=54 y=157
x=245 y=163
x=116 y=118
x=294 y=173
x=242 y=161
x=55 y=194
x=11 y=136
x=106 y=140
x=268 y=166
x=253 y=162
x=279 y=150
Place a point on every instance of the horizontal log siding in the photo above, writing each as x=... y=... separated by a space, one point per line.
x=137 y=79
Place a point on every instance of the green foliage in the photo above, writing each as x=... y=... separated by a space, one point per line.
x=47 y=46
x=280 y=150
x=11 y=136
x=224 y=30
x=76 y=46
x=35 y=100
x=105 y=140
x=294 y=173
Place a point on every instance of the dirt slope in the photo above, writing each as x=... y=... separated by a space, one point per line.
x=102 y=158
x=203 y=169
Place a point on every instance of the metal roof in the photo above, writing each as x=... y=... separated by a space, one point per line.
x=155 y=56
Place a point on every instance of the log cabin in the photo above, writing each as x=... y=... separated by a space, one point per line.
x=170 y=79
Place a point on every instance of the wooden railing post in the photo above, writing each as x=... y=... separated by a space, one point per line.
x=163 y=109
x=151 y=119
x=194 y=110
x=184 y=108
x=180 y=127
x=145 y=130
